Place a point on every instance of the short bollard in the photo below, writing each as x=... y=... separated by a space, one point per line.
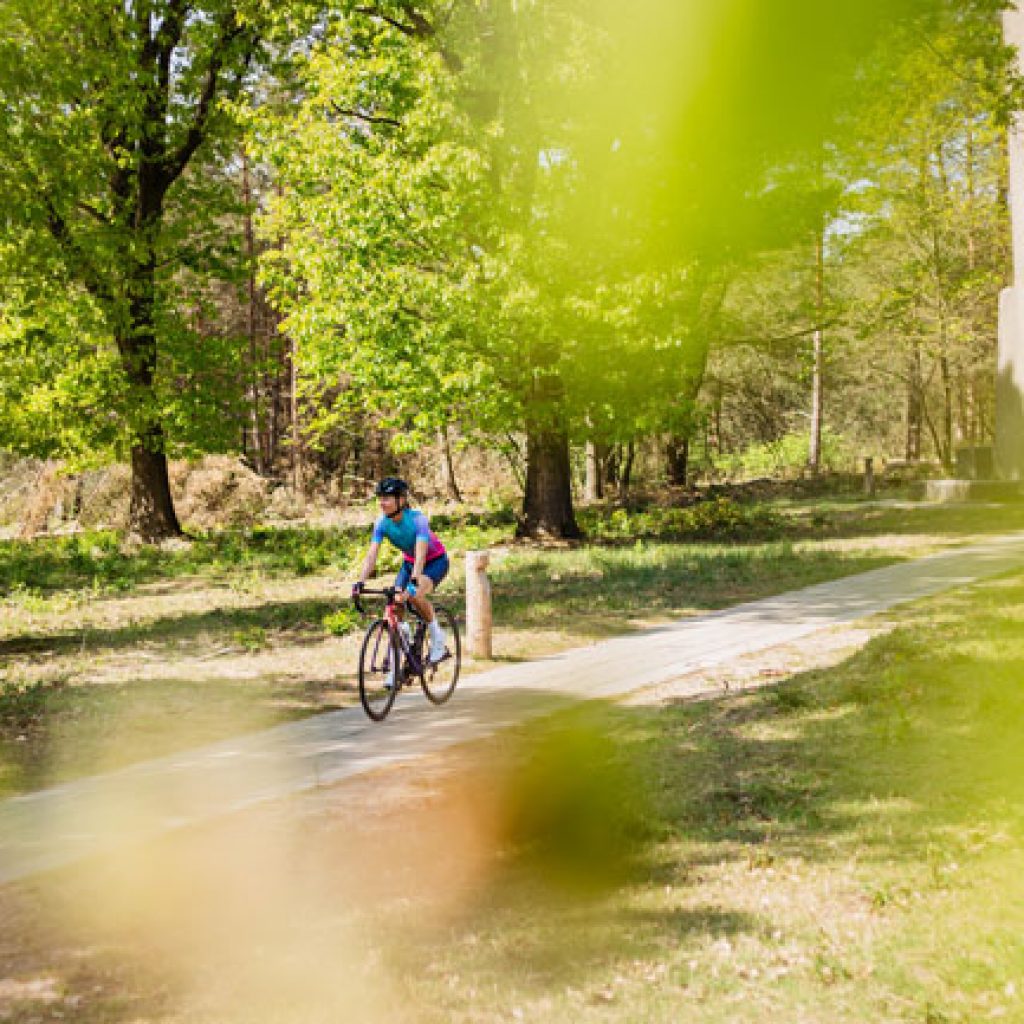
x=869 y=477
x=478 y=604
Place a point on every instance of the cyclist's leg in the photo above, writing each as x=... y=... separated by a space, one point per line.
x=433 y=573
x=402 y=580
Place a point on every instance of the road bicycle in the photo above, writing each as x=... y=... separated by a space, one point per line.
x=392 y=656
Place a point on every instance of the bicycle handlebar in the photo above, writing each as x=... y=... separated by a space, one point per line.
x=387 y=592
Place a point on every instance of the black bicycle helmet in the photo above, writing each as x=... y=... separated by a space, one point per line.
x=392 y=486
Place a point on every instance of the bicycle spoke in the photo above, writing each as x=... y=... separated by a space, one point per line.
x=378 y=661
x=439 y=678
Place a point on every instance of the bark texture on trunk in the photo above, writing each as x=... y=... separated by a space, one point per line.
x=151 y=511
x=677 y=460
x=547 y=501
x=547 y=506
x=626 y=476
x=151 y=514
x=448 y=480
x=914 y=403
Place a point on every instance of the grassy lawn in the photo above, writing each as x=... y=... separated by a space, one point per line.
x=845 y=846
x=163 y=649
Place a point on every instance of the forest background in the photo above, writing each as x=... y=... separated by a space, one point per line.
x=543 y=251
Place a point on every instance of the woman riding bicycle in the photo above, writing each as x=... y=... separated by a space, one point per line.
x=424 y=564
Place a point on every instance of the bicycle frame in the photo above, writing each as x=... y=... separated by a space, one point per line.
x=409 y=653
x=391 y=618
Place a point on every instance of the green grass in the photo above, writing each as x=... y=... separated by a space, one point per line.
x=52 y=730
x=845 y=847
x=95 y=562
x=598 y=590
x=74 y=603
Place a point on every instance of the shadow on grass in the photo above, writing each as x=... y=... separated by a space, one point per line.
x=526 y=596
x=610 y=589
x=95 y=559
x=903 y=759
x=302 y=619
x=589 y=814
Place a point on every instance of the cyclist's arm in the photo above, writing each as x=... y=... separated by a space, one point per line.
x=370 y=562
x=419 y=558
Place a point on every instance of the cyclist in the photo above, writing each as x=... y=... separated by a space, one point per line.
x=424 y=564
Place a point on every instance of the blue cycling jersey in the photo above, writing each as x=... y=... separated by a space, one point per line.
x=410 y=527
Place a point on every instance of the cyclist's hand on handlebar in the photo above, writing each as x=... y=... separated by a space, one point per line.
x=357 y=589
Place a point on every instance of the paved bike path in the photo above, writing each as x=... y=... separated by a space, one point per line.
x=56 y=826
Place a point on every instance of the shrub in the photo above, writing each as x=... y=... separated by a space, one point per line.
x=342 y=622
x=787 y=456
x=717 y=519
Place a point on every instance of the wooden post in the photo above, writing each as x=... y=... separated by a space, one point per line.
x=869 y=477
x=478 y=604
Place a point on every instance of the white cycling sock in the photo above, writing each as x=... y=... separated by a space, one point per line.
x=436 y=631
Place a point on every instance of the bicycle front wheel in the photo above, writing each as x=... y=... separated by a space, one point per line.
x=439 y=678
x=378 y=671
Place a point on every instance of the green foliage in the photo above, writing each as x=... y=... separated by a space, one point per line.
x=253 y=639
x=715 y=519
x=116 y=196
x=342 y=622
x=785 y=457
x=460 y=236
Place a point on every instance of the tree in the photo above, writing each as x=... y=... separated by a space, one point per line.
x=113 y=146
x=933 y=252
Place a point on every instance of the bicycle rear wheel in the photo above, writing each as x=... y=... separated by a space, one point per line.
x=378 y=666
x=439 y=679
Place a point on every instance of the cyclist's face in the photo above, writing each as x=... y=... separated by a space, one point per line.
x=389 y=504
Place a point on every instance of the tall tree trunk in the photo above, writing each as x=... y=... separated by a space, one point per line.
x=814 y=447
x=547 y=507
x=448 y=481
x=298 y=476
x=716 y=419
x=547 y=502
x=151 y=514
x=626 y=479
x=677 y=460
x=914 y=389
x=946 y=452
x=255 y=413
x=593 y=490
x=151 y=510
x=612 y=462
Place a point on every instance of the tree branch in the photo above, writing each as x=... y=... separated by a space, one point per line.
x=422 y=27
x=175 y=163
x=368 y=118
x=61 y=233
x=167 y=38
x=96 y=215
x=376 y=12
x=417 y=28
x=778 y=338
